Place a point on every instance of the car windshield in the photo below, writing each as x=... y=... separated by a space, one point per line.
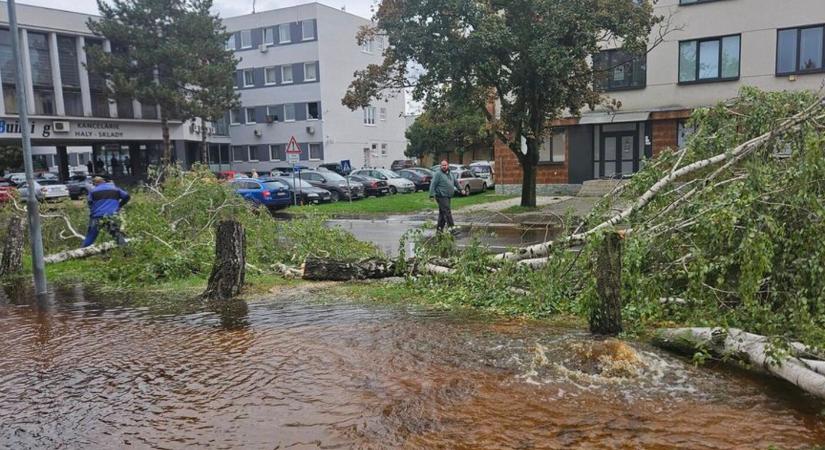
x=390 y=174
x=481 y=169
x=302 y=184
x=48 y=182
x=270 y=185
x=332 y=176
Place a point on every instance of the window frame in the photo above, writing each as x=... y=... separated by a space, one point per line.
x=309 y=118
x=382 y=114
x=369 y=116
x=286 y=105
x=797 y=71
x=314 y=78
x=271 y=33
x=368 y=46
x=246 y=115
x=231 y=114
x=246 y=147
x=230 y=40
x=266 y=76
x=249 y=33
x=252 y=76
x=273 y=152
x=284 y=26
x=291 y=74
x=699 y=42
x=556 y=131
x=269 y=114
x=309 y=152
x=303 y=27
x=608 y=53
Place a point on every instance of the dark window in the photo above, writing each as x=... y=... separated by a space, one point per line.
x=148 y=111
x=8 y=73
x=97 y=87
x=800 y=50
x=617 y=70
x=70 y=75
x=714 y=59
x=41 y=71
x=259 y=152
x=125 y=109
x=240 y=153
x=312 y=110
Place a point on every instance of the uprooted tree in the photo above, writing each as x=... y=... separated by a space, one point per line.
x=531 y=56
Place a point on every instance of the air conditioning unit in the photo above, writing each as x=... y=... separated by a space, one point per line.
x=310 y=130
x=263 y=48
x=256 y=132
x=61 y=126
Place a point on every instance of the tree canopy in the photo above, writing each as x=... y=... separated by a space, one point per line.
x=450 y=129
x=531 y=56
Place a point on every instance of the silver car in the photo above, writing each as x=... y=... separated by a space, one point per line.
x=45 y=190
x=468 y=182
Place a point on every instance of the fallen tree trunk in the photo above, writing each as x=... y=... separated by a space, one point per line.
x=80 y=252
x=318 y=269
x=748 y=348
x=12 y=257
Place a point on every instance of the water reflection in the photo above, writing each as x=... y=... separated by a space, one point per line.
x=81 y=370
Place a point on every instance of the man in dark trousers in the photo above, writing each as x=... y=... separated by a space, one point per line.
x=105 y=201
x=442 y=188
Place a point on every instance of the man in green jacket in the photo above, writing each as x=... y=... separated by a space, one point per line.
x=442 y=189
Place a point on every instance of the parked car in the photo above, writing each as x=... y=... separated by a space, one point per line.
x=47 y=176
x=421 y=181
x=484 y=170
x=372 y=186
x=45 y=190
x=305 y=192
x=7 y=190
x=335 y=167
x=452 y=167
x=334 y=183
x=399 y=164
x=467 y=182
x=17 y=178
x=79 y=186
x=272 y=193
x=423 y=171
x=395 y=182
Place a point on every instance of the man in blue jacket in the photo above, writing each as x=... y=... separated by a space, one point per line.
x=105 y=201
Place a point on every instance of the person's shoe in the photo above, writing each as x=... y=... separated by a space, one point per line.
x=455 y=231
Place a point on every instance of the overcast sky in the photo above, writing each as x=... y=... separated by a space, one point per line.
x=226 y=8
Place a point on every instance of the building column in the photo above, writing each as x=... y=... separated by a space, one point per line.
x=28 y=83
x=57 y=81
x=62 y=163
x=2 y=98
x=107 y=47
x=85 y=91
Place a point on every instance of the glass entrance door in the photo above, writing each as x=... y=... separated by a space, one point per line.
x=619 y=155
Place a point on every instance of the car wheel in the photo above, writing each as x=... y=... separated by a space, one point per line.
x=334 y=196
x=483 y=187
x=393 y=190
x=467 y=190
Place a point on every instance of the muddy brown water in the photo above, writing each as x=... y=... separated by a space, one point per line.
x=298 y=371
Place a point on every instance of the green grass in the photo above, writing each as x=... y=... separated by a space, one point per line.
x=393 y=204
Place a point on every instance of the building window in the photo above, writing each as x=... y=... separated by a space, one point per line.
x=269 y=37
x=240 y=153
x=230 y=42
x=289 y=112
x=235 y=117
x=125 y=109
x=259 y=153
x=369 y=115
x=307 y=30
x=271 y=114
x=380 y=40
x=313 y=111
x=97 y=87
x=384 y=151
x=715 y=59
x=148 y=111
x=269 y=75
x=618 y=70
x=310 y=72
x=382 y=114
x=246 y=39
x=250 y=115
x=248 y=78
x=367 y=46
x=286 y=74
x=8 y=74
x=70 y=75
x=276 y=152
x=800 y=50
x=315 y=152
x=552 y=147
x=284 y=36
x=41 y=72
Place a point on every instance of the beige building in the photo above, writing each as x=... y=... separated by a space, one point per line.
x=710 y=49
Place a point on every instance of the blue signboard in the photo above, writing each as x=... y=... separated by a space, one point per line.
x=345 y=166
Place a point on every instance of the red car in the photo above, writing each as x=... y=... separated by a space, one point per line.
x=7 y=190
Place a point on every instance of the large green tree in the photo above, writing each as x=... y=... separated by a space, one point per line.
x=454 y=128
x=158 y=50
x=531 y=56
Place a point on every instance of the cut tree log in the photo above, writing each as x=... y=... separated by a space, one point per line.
x=11 y=260
x=606 y=314
x=83 y=252
x=318 y=269
x=748 y=348
x=541 y=250
x=229 y=269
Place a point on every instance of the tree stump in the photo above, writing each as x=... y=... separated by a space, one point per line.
x=329 y=270
x=11 y=260
x=228 y=272
x=606 y=314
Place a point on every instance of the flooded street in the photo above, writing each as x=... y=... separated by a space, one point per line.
x=299 y=371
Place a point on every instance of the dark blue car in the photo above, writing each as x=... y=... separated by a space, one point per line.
x=270 y=193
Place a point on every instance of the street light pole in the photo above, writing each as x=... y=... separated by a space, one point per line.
x=38 y=266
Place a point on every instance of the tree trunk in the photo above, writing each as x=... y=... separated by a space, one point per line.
x=529 y=163
x=166 y=156
x=319 y=269
x=12 y=259
x=748 y=348
x=78 y=253
x=606 y=314
x=62 y=163
x=204 y=149
x=228 y=272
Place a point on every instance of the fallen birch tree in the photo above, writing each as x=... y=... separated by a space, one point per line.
x=751 y=349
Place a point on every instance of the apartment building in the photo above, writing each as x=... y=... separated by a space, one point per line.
x=295 y=66
x=69 y=108
x=714 y=48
